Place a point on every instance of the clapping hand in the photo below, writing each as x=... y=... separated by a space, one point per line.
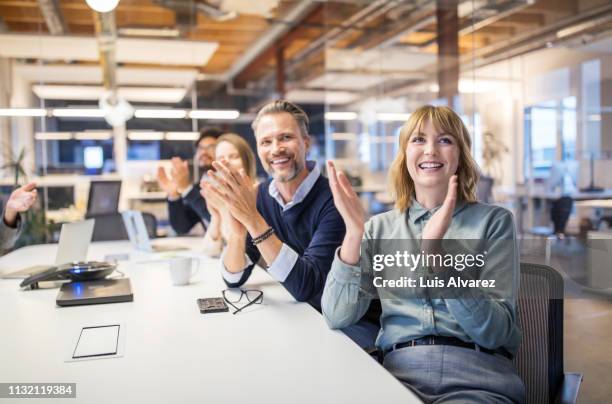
x=349 y=206
x=213 y=203
x=236 y=190
x=346 y=200
x=438 y=224
x=180 y=174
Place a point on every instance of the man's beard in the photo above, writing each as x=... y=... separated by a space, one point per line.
x=297 y=168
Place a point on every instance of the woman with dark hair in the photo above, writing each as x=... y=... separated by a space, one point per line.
x=447 y=344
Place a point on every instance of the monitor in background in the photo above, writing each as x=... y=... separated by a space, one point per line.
x=103 y=197
x=93 y=159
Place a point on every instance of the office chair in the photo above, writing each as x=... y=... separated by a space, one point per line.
x=560 y=212
x=539 y=360
x=103 y=197
x=110 y=226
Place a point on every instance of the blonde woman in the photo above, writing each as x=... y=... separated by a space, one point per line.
x=455 y=344
x=233 y=150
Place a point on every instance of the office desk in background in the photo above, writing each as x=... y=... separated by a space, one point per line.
x=278 y=352
x=523 y=196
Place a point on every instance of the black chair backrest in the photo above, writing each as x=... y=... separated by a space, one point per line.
x=150 y=223
x=110 y=226
x=103 y=197
x=560 y=213
x=539 y=360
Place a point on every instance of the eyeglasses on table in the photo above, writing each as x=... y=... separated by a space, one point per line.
x=234 y=296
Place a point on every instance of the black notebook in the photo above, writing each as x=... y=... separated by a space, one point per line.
x=95 y=292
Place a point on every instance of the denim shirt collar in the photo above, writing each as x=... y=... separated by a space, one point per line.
x=302 y=190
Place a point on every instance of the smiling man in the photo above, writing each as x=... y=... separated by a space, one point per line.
x=290 y=220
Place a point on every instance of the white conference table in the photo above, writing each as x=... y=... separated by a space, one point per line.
x=279 y=352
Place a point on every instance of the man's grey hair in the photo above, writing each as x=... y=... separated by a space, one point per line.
x=280 y=106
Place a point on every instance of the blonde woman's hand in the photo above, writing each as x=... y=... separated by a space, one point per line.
x=347 y=202
x=230 y=227
x=438 y=224
x=213 y=203
x=236 y=190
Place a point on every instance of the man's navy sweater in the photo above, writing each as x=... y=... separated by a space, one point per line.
x=313 y=229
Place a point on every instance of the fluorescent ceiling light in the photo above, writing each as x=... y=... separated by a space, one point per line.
x=340 y=116
x=320 y=97
x=478 y=86
x=102 y=6
x=101 y=135
x=468 y=86
x=154 y=32
x=78 y=112
x=163 y=95
x=392 y=116
x=90 y=74
x=169 y=95
x=213 y=114
x=145 y=135
x=148 y=51
x=53 y=136
x=182 y=135
x=23 y=112
x=161 y=113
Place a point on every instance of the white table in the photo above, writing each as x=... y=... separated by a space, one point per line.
x=279 y=352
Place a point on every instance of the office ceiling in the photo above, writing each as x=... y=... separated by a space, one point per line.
x=319 y=50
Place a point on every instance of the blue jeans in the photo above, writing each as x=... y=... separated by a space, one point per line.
x=450 y=374
x=363 y=333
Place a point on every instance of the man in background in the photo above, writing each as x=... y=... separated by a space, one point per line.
x=186 y=207
x=11 y=224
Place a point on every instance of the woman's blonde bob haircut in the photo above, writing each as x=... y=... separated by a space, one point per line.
x=244 y=151
x=445 y=120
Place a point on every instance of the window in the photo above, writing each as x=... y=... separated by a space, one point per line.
x=550 y=135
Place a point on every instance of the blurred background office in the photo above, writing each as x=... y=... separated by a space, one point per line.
x=91 y=102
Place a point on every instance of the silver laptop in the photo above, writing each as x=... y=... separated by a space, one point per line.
x=139 y=237
x=73 y=245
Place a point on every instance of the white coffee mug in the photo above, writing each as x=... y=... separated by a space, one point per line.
x=183 y=269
